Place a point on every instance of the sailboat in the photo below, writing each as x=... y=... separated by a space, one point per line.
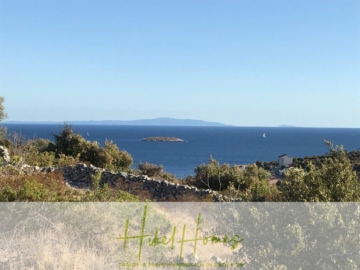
x=88 y=133
x=264 y=135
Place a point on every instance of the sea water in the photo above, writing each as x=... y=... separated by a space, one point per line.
x=232 y=145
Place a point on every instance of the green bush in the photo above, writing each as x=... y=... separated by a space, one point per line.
x=4 y=141
x=41 y=145
x=150 y=169
x=111 y=158
x=63 y=160
x=33 y=191
x=7 y=194
x=70 y=144
x=15 y=159
x=67 y=143
x=41 y=159
x=216 y=176
x=333 y=181
x=95 y=180
x=156 y=172
x=51 y=187
x=9 y=169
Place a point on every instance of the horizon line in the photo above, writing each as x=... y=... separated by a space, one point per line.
x=221 y=124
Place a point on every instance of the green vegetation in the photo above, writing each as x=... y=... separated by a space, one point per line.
x=250 y=184
x=51 y=187
x=3 y=115
x=215 y=176
x=74 y=145
x=329 y=178
x=156 y=172
x=294 y=235
x=3 y=140
x=333 y=181
x=69 y=148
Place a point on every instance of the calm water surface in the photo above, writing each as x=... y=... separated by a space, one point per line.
x=233 y=145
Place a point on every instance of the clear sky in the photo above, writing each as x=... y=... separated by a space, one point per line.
x=240 y=62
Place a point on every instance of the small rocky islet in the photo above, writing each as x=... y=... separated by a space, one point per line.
x=162 y=139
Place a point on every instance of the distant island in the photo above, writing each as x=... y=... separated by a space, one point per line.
x=287 y=126
x=162 y=139
x=143 y=122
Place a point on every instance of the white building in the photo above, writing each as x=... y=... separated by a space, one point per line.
x=285 y=160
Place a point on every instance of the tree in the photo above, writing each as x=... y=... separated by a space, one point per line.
x=333 y=181
x=3 y=115
x=3 y=140
x=68 y=142
x=111 y=158
x=74 y=145
x=254 y=185
x=214 y=175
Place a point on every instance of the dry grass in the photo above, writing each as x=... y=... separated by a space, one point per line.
x=135 y=188
x=53 y=180
x=187 y=198
x=57 y=242
x=51 y=187
x=75 y=236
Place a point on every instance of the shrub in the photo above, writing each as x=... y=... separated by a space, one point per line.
x=187 y=198
x=20 y=145
x=91 y=153
x=95 y=180
x=150 y=169
x=70 y=144
x=216 y=176
x=51 y=187
x=156 y=172
x=41 y=145
x=41 y=159
x=3 y=140
x=33 y=191
x=63 y=160
x=15 y=160
x=114 y=159
x=9 y=170
x=36 y=187
x=333 y=181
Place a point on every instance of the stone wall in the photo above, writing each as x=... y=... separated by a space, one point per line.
x=4 y=153
x=80 y=177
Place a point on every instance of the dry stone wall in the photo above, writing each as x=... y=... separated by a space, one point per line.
x=4 y=153
x=79 y=176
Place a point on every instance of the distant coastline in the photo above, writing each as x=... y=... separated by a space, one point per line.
x=289 y=126
x=142 y=122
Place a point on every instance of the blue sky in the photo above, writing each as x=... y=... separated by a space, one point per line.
x=243 y=62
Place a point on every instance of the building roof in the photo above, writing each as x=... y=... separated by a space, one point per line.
x=284 y=156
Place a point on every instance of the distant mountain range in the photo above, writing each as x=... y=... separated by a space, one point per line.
x=143 y=122
x=287 y=126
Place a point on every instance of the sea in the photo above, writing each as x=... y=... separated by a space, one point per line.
x=226 y=144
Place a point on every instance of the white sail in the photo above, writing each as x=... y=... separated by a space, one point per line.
x=264 y=135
